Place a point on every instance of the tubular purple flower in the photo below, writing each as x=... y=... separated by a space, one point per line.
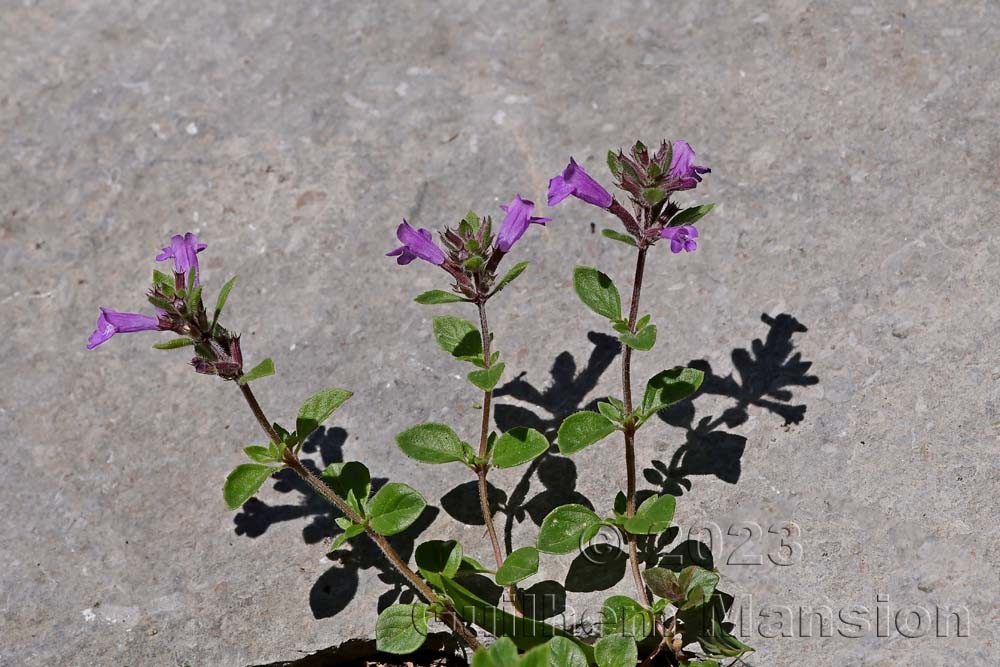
x=516 y=222
x=416 y=243
x=111 y=322
x=184 y=251
x=683 y=168
x=681 y=238
x=574 y=180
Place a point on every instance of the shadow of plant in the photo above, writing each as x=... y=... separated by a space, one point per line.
x=763 y=376
x=766 y=372
x=337 y=586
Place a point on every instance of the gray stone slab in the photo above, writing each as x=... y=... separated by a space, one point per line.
x=854 y=149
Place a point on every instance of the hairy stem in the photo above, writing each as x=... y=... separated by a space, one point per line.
x=484 y=433
x=633 y=549
x=292 y=461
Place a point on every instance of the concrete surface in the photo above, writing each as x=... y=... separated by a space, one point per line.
x=854 y=148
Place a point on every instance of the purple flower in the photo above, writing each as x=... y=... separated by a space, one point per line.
x=416 y=243
x=681 y=238
x=184 y=251
x=577 y=182
x=111 y=322
x=683 y=168
x=516 y=222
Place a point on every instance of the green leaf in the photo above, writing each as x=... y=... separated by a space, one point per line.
x=161 y=280
x=653 y=516
x=598 y=292
x=174 y=343
x=472 y=219
x=259 y=453
x=436 y=296
x=353 y=530
x=567 y=528
x=519 y=565
x=536 y=657
x=526 y=633
x=439 y=557
x=692 y=588
x=220 y=303
x=668 y=387
x=243 y=482
x=583 y=429
x=394 y=508
x=616 y=651
x=402 y=628
x=565 y=653
x=261 y=370
x=194 y=300
x=653 y=196
x=614 y=165
x=618 y=236
x=517 y=446
x=510 y=276
x=487 y=378
x=609 y=411
x=621 y=615
x=349 y=478
x=317 y=409
x=644 y=339
x=430 y=443
x=689 y=216
x=459 y=338
x=720 y=644
x=472 y=566
x=502 y=653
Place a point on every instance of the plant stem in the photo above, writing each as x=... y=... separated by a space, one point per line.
x=484 y=432
x=633 y=550
x=293 y=462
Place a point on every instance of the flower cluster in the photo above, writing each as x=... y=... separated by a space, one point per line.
x=179 y=308
x=473 y=252
x=649 y=180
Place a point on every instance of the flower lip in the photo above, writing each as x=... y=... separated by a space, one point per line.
x=574 y=180
x=417 y=243
x=516 y=222
x=681 y=238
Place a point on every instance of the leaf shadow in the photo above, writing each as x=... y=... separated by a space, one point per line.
x=764 y=376
x=335 y=588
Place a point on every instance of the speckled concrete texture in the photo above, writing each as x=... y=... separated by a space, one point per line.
x=854 y=148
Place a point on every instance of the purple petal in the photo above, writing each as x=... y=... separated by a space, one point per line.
x=692 y=232
x=669 y=232
x=184 y=251
x=111 y=322
x=676 y=245
x=690 y=245
x=585 y=187
x=559 y=189
x=516 y=222
x=682 y=159
x=418 y=243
